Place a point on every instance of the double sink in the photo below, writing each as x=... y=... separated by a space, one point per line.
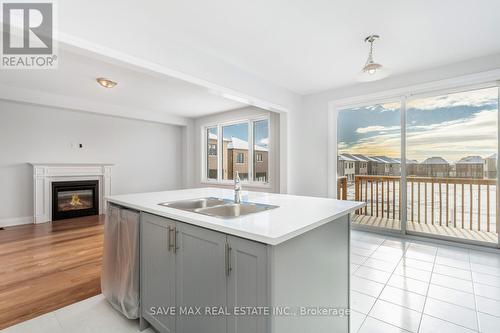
x=217 y=207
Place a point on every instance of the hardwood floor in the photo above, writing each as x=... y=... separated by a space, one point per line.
x=48 y=266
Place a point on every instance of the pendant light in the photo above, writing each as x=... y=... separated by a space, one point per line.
x=372 y=71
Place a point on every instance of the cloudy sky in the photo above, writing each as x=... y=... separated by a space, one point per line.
x=240 y=131
x=450 y=126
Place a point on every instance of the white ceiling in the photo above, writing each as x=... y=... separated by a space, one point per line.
x=76 y=77
x=303 y=45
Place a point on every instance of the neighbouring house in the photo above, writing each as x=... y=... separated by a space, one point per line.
x=392 y=165
x=490 y=167
x=412 y=167
x=212 y=156
x=371 y=164
x=235 y=158
x=360 y=164
x=434 y=167
x=346 y=167
x=470 y=167
x=381 y=166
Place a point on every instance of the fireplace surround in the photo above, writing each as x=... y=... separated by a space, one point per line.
x=75 y=199
x=44 y=174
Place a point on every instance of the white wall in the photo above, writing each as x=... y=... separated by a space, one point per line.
x=198 y=124
x=147 y=155
x=308 y=145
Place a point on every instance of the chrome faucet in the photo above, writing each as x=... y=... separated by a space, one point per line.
x=237 y=188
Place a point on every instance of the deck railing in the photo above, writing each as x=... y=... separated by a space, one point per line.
x=342 y=188
x=458 y=202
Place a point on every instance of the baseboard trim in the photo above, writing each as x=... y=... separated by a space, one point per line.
x=10 y=222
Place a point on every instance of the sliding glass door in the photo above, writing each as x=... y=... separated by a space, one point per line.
x=451 y=146
x=450 y=141
x=369 y=162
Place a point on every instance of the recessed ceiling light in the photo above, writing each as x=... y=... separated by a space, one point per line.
x=106 y=83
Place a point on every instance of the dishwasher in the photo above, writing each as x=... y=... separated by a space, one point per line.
x=120 y=266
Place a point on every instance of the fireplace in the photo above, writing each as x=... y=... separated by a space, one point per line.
x=75 y=199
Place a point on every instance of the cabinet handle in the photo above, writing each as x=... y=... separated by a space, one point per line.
x=169 y=236
x=176 y=232
x=228 y=260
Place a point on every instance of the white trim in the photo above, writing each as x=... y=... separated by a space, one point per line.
x=45 y=174
x=403 y=186
x=46 y=99
x=13 y=221
x=498 y=155
x=83 y=47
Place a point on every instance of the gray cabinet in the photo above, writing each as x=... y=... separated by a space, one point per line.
x=157 y=271
x=200 y=277
x=247 y=284
x=185 y=266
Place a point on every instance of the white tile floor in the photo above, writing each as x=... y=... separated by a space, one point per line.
x=411 y=286
x=93 y=315
x=396 y=286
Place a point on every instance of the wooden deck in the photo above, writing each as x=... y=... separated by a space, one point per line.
x=47 y=266
x=392 y=224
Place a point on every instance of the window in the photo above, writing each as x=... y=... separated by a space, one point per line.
x=241 y=147
x=240 y=158
x=368 y=147
x=235 y=143
x=212 y=149
x=450 y=136
x=261 y=150
x=450 y=144
x=212 y=162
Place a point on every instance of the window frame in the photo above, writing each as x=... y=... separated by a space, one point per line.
x=403 y=96
x=250 y=121
x=242 y=158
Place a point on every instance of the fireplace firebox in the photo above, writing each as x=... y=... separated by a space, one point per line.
x=75 y=199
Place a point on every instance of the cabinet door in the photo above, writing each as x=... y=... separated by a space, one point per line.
x=247 y=284
x=200 y=278
x=157 y=272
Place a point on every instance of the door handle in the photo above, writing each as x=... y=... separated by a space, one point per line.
x=228 y=260
x=170 y=242
x=176 y=232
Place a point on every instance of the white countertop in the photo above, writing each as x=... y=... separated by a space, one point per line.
x=295 y=215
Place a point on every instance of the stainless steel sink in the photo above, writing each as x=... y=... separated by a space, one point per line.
x=234 y=210
x=217 y=207
x=193 y=204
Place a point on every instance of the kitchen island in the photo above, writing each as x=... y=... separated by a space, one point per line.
x=284 y=269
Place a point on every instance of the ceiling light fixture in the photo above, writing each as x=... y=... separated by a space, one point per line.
x=106 y=83
x=372 y=71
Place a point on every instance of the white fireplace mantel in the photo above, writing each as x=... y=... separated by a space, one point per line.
x=46 y=173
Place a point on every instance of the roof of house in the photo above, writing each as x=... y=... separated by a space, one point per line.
x=345 y=157
x=358 y=158
x=435 y=160
x=237 y=143
x=471 y=160
x=408 y=161
x=367 y=158
x=386 y=159
x=493 y=156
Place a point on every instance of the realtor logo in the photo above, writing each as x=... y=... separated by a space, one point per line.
x=28 y=35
